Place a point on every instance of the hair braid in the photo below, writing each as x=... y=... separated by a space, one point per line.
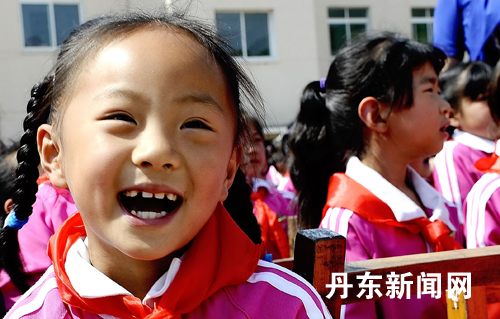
x=25 y=184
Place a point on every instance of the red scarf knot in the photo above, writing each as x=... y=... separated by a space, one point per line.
x=220 y=255
x=345 y=192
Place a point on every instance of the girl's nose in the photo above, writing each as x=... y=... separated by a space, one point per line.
x=155 y=149
x=445 y=107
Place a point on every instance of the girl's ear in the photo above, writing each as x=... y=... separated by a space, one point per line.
x=50 y=155
x=7 y=206
x=374 y=114
x=232 y=168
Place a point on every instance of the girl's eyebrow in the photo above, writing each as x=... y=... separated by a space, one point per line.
x=136 y=96
x=198 y=97
x=122 y=93
x=428 y=79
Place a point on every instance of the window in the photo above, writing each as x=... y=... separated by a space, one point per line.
x=246 y=32
x=47 y=24
x=422 y=20
x=345 y=24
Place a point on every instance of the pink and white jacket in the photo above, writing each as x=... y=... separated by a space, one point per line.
x=368 y=241
x=454 y=173
x=52 y=207
x=185 y=290
x=482 y=207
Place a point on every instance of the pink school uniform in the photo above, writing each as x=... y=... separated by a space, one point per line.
x=454 y=173
x=482 y=227
x=280 y=204
x=366 y=240
x=52 y=207
x=283 y=183
x=241 y=286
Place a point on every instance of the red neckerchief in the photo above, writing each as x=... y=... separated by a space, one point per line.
x=220 y=255
x=42 y=179
x=345 y=192
x=272 y=233
x=484 y=164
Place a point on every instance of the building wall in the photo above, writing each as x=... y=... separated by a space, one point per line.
x=299 y=30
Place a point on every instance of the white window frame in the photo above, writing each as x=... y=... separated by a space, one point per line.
x=346 y=21
x=428 y=20
x=270 y=29
x=52 y=21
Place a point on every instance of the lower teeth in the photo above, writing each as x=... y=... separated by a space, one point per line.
x=148 y=215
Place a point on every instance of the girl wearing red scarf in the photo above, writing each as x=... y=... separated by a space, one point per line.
x=142 y=121
x=386 y=111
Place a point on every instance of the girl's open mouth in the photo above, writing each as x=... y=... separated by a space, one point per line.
x=146 y=205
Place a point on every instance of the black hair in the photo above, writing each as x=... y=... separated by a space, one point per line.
x=312 y=146
x=378 y=66
x=465 y=80
x=47 y=97
x=494 y=96
x=239 y=205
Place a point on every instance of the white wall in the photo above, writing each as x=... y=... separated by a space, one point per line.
x=299 y=29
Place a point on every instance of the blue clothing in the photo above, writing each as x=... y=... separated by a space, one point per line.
x=461 y=25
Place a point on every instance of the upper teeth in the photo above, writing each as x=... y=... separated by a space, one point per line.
x=170 y=196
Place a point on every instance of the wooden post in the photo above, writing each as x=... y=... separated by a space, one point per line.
x=318 y=254
x=472 y=308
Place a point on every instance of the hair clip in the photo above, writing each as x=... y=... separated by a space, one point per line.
x=322 y=83
x=12 y=221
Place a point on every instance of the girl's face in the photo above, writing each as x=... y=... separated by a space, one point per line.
x=420 y=130
x=475 y=117
x=255 y=158
x=146 y=144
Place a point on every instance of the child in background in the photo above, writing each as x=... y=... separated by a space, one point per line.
x=311 y=144
x=384 y=95
x=8 y=165
x=278 y=172
x=481 y=206
x=482 y=224
x=465 y=87
x=141 y=120
x=271 y=208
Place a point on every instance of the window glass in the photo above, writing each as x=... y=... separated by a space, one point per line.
x=67 y=20
x=357 y=13
x=246 y=32
x=257 y=34
x=36 y=25
x=422 y=24
x=357 y=29
x=338 y=36
x=420 y=32
x=346 y=24
x=229 y=27
x=418 y=12
x=336 y=13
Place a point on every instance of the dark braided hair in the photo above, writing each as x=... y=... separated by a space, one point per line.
x=25 y=184
x=48 y=97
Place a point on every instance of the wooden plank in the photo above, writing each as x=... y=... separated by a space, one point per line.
x=482 y=263
x=285 y=262
x=473 y=308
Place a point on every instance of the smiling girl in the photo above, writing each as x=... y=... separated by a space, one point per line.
x=141 y=120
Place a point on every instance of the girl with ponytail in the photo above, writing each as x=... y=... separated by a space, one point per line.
x=142 y=121
x=384 y=96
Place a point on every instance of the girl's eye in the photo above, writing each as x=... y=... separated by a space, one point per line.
x=196 y=124
x=120 y=117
